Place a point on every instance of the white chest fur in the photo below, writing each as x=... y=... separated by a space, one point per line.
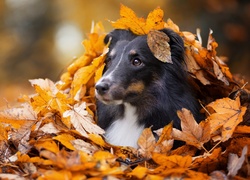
x=125 y=131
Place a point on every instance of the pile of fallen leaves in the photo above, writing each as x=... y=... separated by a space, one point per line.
x=52 y=134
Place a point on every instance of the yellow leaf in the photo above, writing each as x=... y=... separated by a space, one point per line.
x=48 y=100
x=228 y=114
x=97 y=139
x=139 y=172
x=65 y=139
x=48 y=144
x=139 y=26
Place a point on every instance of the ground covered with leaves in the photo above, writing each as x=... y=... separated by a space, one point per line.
x=52 y=134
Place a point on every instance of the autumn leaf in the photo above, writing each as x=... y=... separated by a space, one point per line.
x=207 y=161
x=47 y=144
x=139 y=26
x=139 y=172
x=146 y=142
x=173 y=161
x=48 y=97
x=158 y=44
x=52 y=134
x=192 y=133
x=235 y=162
x=228 y=114
x=65 y=139
x=165 y=141
x=82 y=121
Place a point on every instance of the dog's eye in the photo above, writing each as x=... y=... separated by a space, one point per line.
x=136 y=62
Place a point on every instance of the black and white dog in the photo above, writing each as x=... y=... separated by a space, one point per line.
x=138 y=91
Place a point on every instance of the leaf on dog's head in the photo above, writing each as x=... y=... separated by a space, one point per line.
x=158 y=44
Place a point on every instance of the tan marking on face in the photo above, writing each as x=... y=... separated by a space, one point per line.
x=132 y=52
x=136 y=87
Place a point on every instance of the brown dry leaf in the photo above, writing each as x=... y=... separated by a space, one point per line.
x=146 y=142
x=242 y=129
x=84 y=146
x=165 y=141
x=158 y=44
x=228 y=114
x=237 y=144
x=219 y=74
x=192 y=133
x=24 y=112
x=49 y=128
x=194 y=68
x=207 y=162
x=235 y=162
x=139 y=26
x=82 y=121
x=184 y=150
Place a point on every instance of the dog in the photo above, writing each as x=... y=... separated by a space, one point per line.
x=137 y=90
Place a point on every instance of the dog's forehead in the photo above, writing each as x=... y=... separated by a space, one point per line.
x=131 y=47
x=118 y=48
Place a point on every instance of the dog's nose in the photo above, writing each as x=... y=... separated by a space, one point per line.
x=102 y=88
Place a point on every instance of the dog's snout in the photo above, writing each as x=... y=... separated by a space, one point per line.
x=102 y=87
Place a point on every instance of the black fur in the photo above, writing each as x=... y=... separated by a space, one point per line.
x=166 y=87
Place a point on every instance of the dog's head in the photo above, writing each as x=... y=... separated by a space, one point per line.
x=131 y=67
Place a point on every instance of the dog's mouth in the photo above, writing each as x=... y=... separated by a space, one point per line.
x=108 y=99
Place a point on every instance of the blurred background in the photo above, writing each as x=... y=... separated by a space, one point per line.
x=40 y=38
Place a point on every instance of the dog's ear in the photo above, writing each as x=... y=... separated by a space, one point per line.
x=164 y=44
x=118 y=35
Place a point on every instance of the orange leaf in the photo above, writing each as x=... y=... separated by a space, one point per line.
x=192 y=133
x=97 y=139
x=139 y=172
x=228 y=114
x=205 y=163
x=139 y=26
x=55 y=174
x=65 y=139
x=173 y=161
x=47 y=144
x=165 y=141
x=48 y=98
x=146 y=142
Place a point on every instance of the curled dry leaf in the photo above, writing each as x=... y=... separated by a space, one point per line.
x=158 y=43
x=235 y=162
